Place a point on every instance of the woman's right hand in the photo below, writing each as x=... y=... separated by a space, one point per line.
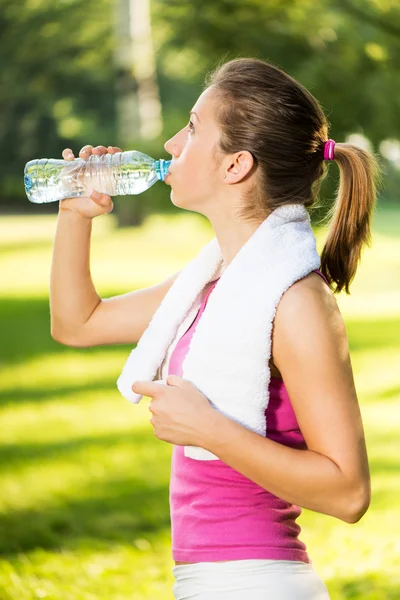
x=89 y=206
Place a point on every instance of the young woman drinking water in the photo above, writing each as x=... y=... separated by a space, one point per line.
x=256 y=391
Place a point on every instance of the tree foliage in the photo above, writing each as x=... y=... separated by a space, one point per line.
x=58 y=79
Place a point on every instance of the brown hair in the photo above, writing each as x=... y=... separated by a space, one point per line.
x=264 y=110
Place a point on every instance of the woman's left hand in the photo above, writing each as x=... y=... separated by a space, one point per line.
x=181 y=413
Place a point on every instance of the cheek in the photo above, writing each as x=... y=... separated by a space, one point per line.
x=195 y=178
x=198 y=171
x=192 y=177
x=193 y=189
x=197 y=183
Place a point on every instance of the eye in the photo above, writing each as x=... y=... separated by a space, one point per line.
x=191 y=127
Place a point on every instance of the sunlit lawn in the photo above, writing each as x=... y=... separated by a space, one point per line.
x=84 y=482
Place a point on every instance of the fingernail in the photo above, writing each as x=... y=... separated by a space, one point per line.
x=70 y=155
x=95 y=194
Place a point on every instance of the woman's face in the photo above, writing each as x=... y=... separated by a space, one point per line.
x=195 y=178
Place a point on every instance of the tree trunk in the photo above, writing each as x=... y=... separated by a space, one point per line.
x=139 y=116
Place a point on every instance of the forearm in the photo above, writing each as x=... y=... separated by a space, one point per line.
x=72 y=294
x=301 y=477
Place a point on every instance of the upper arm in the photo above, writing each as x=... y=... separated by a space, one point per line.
x=310 y=348
x=122 y=319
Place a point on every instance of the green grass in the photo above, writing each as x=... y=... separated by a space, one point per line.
x=84 y=482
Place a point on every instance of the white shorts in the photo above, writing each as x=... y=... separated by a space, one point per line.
x=250 y=579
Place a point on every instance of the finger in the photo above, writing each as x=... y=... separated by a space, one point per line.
x=101 y=199
x=99 y=150
x=147 y=388
x=110 y=206
x=174 y=380
x=67 y=154
x=86 y=151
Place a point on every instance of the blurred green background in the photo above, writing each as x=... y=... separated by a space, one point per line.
x=84 y=482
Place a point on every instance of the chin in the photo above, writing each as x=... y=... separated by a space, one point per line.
x=184 y=204
x=175 y=199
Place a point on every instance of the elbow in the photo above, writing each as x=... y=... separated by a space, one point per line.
x=61 y=339
x=356 y=515
x=56 y=337
x=357 y=509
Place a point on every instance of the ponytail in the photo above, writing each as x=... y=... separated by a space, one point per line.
x=264 y=110
x=350 y=217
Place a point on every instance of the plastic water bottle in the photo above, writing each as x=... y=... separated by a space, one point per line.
x=119 y=174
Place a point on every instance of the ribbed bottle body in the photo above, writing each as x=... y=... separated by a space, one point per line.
x=120 y=174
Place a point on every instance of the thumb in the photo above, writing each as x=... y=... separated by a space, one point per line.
x=174 y=380
x=101 y=199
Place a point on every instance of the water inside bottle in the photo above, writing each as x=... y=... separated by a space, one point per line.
x=48 y=180
x=134 y=176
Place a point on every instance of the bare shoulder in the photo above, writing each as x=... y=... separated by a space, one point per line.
x=308 y=309
x=309 y=293
x=311 y=350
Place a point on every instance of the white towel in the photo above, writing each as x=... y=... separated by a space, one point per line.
x=231 y=347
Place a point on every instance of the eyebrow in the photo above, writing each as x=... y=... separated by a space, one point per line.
x=193 y=113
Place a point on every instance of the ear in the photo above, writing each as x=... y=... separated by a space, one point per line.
x=243 y=164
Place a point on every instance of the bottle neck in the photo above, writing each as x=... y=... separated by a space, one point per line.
x=162 y=167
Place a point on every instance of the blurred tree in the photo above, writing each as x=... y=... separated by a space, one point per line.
x=137 y=98
x=346 y=52
x=59 y=84
x=56 y=84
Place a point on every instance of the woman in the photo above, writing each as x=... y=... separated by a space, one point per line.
x=257 y=143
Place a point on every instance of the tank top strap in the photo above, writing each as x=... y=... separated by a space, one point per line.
x=322 y=275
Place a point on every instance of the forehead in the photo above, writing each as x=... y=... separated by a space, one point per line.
x=204 y=107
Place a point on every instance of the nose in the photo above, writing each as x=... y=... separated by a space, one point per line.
x=172 y=147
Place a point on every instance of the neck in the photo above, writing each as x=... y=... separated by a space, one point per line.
x=231 y=238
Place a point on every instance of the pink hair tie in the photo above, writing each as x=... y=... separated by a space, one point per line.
x=329 y=148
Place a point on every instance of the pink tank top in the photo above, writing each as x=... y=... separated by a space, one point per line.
x=217 y=514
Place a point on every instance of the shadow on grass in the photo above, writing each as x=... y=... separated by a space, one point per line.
x=48 y=393
x=16 y=455
x=25 y=331
x=110 y=508
x=117 y=510
x=25 y=328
